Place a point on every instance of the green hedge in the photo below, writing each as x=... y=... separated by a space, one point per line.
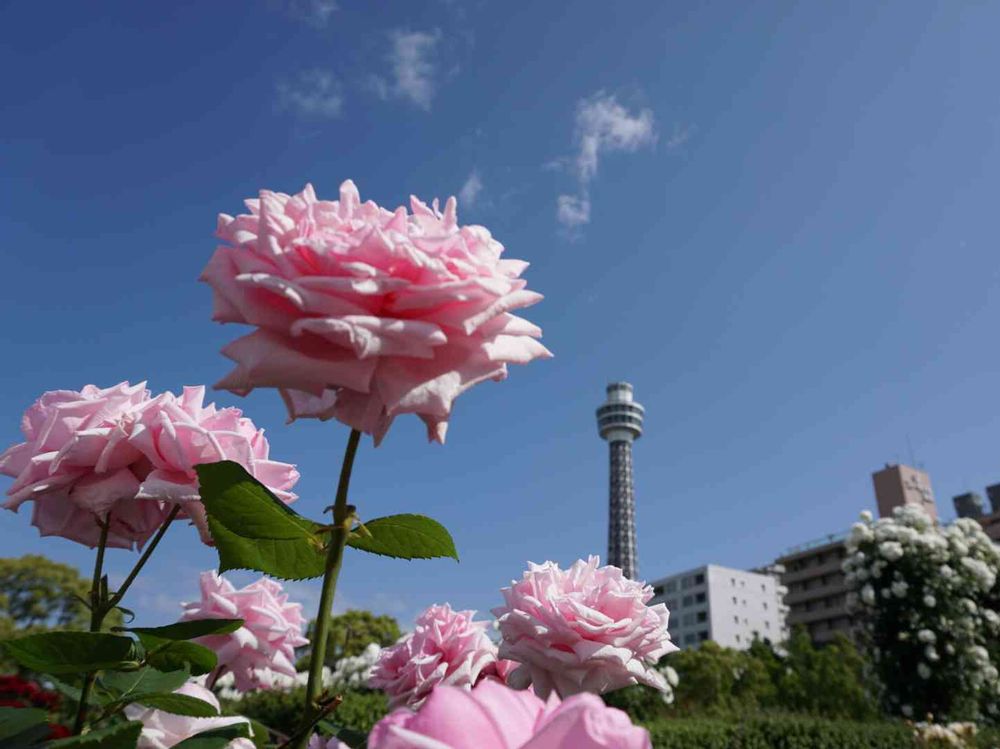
x=778 y=732
x=281 y=711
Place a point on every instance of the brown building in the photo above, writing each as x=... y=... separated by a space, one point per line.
x=817 y=592
x=898 y=485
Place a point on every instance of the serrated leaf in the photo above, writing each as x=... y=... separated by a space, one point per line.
x=178 y=704
x=190 y=629
x=121 y=736
x=145 y=680
x=405 y=537
x=245 y=506
x=285 y=560
x=217 y=738
x=71 y=652
x=254 y=530
x=15 y=720
x=178 y=655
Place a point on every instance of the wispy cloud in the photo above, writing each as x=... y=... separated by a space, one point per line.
x=313 y=12
x=471 y=189
x=313 y=93
x=603 y=126
x=412 y=58
x=680 y=135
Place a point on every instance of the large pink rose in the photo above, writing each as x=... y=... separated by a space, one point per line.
x=77 y=463
x=362 y=313
x=162 y=730
x=494 y=716
x=445 y=647
x=265 y=644
x=176 y=434
x=90 y=453
x=585 y=629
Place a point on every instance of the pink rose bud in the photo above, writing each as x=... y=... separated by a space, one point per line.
x=585 y=629
x=272 y=628
x=445 y=647
x=361 y=313
x=494 y=716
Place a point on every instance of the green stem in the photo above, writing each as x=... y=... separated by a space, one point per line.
x=342 y=517
x=96 y=619
x=120 y=593
x=99 y=607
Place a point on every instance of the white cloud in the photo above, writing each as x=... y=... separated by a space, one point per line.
x=602 y=126
x=573 y=210
x=413 y=67
x=470 y=190
x=314 y=12
x=313 y=93
x=681 y=134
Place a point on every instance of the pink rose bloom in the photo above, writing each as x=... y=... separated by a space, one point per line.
x=362 y=313
x=494 y=716
x=585 y=629
x=162 y=730
x=272 y=628
x=176 y=434
x=77 y=463
x=445 y=647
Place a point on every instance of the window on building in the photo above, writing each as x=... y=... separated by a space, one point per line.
x=767 y=625
x=744 y=601
x=765 y=605
x=733 y=581
x=699 y=579
x=737 y=636
x=702 y=616
x=743 y=583
x=686 y=583
x=763 y=588
x=688 y=600
x=688 y=620
x=671 y=603
x=690 y=638
x=699 y=598
x=657 y=590
x=702 y=636
x=736 y=620
x=671 y=586
x=745 y=620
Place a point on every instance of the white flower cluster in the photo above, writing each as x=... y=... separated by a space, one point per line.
x=935 y=735
x=671 y=677
x=353 y=672
x=925 y=599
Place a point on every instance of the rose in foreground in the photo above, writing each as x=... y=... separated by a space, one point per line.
x=162 y=730
x=494 y=716
x=585 y=629
x=362 y=313
x=445 y=647
x=118 y=453
x=176 y=434
x=265 y=645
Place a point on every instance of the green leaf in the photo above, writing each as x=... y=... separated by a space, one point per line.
x=245 y=506
x=14 y=721
x=217 y=738
x=354 y=739
x=189 y=630
x=253 y=530
x=178 y=704
x=68 y=690
x=143 y=681
x=71 y=652
x=178 y=655
x=405 y=537
x=121 y=736
x=261 y=736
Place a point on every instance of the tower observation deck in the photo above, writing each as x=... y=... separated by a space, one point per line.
x=619 y=421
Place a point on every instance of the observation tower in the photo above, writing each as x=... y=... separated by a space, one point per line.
x=619 y=421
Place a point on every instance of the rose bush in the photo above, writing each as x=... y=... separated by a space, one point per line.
x=927 y=603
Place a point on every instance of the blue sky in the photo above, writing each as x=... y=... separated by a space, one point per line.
x=779 y=223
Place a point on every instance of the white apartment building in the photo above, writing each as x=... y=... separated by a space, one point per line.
x=725 y=605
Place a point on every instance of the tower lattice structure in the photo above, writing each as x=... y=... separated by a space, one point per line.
x=619 y=421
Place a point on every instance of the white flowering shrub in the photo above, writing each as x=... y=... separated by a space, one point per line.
x=945 y=736
x=925 y=598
